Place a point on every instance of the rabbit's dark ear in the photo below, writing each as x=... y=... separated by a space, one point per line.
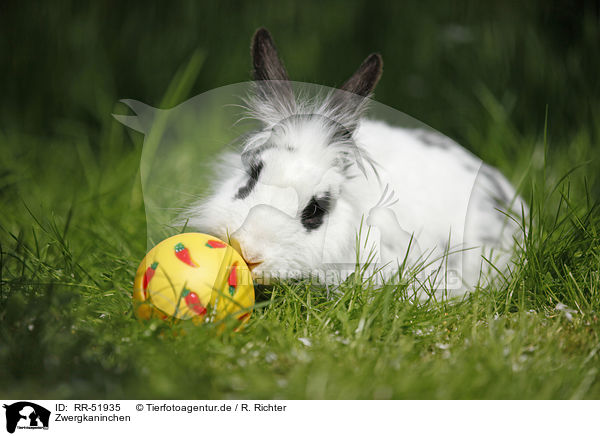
x=364 y=80
x=350 y=101
x=266 y=62
x=273 y=91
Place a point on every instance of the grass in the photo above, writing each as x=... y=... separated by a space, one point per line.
x=66 y=312
x=73 y=231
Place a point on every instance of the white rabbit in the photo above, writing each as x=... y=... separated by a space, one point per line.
x=302 y=186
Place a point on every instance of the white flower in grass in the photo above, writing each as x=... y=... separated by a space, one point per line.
x=445 y=350
x=306 y=341
x=566 y=310
x=344 y=341
x=361 y=326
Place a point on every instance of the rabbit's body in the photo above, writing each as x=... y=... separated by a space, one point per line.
x=432 y=180
x=453 y=204
x=297 y=195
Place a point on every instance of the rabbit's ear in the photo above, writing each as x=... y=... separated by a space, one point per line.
x=364 y=80
x=144 y=118
x=274 y=98
x=348 y=103
x=266 y=62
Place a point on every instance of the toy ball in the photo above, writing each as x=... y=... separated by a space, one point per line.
x=193 y=276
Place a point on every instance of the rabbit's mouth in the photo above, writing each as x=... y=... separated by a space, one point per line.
x=237 y=247
x=252 y=265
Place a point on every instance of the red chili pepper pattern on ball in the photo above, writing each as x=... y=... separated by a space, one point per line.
x=233 y=279
x=148 y=276
x=193 y=302
x=183 y=254
x=215 y=244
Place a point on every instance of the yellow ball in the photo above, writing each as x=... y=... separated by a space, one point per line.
x=193 y=276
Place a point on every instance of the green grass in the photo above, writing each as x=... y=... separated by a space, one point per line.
x=73 y=231
x=66 y=312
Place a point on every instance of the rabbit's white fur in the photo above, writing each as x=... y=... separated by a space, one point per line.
x=303 y=156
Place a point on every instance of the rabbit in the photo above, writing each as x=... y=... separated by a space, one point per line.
x=319 y=178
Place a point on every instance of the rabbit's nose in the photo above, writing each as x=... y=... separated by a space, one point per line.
x=252 y=263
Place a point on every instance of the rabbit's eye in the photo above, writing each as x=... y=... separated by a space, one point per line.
x=314 y=213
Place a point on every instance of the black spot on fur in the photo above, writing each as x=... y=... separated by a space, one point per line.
x=434 y=139
x=314 y=213
x=499 y=195
x=253 y=156
x=488 y=239
x=342 y=134
x=245 y=190
x=470 y=166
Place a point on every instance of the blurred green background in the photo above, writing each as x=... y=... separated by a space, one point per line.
x=72 y=223
x=69 y=61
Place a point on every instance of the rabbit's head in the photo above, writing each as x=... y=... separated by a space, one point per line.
x=288 y=201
